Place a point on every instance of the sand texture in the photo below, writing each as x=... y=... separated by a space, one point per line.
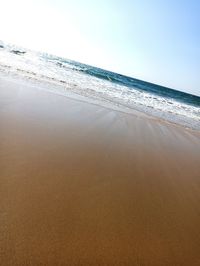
x=82 y=184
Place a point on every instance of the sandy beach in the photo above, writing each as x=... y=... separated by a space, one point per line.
x=82 y=184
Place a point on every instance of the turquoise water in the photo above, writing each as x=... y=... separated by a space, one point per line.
x=129 y=82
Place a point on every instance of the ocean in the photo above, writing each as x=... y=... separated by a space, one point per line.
x=102 y=85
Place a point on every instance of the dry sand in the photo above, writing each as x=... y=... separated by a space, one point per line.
x=81 y=184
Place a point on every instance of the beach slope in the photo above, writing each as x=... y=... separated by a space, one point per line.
x=81 y=184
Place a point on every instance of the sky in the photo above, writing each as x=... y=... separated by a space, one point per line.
x=156 y=41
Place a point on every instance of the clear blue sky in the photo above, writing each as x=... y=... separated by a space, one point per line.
x=157 y=41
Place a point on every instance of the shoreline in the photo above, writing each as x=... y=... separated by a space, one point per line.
x=53 y=86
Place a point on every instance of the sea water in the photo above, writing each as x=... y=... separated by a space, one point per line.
x=95 y=83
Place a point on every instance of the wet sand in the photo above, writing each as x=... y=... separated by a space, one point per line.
x=82 y=184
